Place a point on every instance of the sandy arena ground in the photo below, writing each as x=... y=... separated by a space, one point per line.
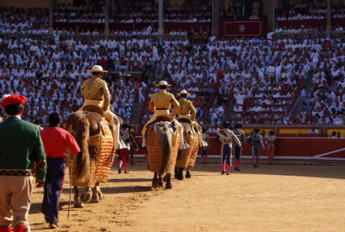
x=281 y=197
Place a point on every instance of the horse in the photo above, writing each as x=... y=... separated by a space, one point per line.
x=183 y=158
x=91 y=166
x=194 y=148
x=162 y=141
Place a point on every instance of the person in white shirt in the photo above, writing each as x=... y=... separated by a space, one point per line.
x=313 y=130
x=240 y=98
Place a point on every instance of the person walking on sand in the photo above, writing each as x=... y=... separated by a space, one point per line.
x=55 y=140
x=271 y=139
x=256 y=140
x=20 y=146
x=237 y=149
x=225 y=137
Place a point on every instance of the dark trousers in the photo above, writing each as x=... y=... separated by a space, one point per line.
x=237 y=151
x=52 y=188
x=204 y=153
x=226 y=153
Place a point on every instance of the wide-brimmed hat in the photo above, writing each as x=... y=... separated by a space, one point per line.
x=13 y=99
x=256 y=130
x=226 y=124
x=238 y=125
x=97 y=68
x=125 y=125
x=184 y=92
x=163 y=83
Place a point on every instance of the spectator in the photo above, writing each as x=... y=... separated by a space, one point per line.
x=313 y=130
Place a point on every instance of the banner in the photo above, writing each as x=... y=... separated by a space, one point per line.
x=253 y=28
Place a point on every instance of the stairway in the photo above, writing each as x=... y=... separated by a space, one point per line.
x=136 y=110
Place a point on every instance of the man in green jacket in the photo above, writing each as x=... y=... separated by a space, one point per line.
x=20 y=147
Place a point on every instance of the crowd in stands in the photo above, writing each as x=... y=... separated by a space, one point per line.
x=143 y=15
x=28 y=21
x=307 y=16
x=50 y=74
x=323 y=103
x=131 y=12
x=264 y=77
x=240 y=9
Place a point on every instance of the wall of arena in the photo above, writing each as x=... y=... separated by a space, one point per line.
x=291 y=148
x=296 y=148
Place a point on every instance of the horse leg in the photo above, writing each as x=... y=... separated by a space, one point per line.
x=180 y=173
x=94 y=198
x=160 y=181
x=155 y=181
x=188 y=175
x=77 y=201
x=99 y=192
x=168 y=184
x=176 y=173
x=87 y=195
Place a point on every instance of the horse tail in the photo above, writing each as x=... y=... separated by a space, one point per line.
x=82 y=171
x=165 y=140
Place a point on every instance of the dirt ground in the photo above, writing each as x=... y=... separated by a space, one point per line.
x=281 y=197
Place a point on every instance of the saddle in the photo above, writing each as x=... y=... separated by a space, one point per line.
x=95 y=109
x=162 y=119
x=185 y=120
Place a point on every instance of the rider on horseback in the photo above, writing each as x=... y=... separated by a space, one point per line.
x=160 y=104
x=96 y=93
x=187 y=109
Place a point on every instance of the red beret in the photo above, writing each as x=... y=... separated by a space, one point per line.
x=13 y=100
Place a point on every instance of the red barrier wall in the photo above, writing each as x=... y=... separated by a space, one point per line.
x=297 y=148
x=292 y=148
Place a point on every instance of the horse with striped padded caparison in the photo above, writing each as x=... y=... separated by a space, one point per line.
x=92 y=164
x=191 y=138
x=194 y=148
x=162 y=140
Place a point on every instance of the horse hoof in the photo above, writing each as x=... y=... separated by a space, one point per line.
x=95 y=200
x=188 y=175
x=168 y=186
x=155 y=184
x=86 y=197
x=79 y=205
x=100 y=196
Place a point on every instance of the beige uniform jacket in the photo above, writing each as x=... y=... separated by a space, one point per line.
x=162 y=100
x=96 y=89
x=186 y=108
